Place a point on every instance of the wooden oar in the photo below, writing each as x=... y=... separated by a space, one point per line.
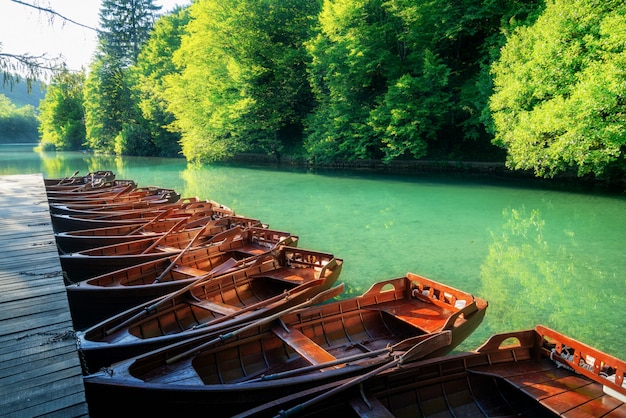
x=162 y=300
x=67 y=178
x=419 y=350
x=262 y=303
x=153 y=220
x=162 y=237
x=180 y=254
x=320 y=297
x=410 y=342
x=124 y=190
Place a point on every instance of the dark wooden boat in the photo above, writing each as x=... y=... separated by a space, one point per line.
x=127 y=202
x=74 y=180
x=64 y=223
x=95 y=299
x=212 y=304
x=407 y=318
x=62 y=203
x=86 y=264
x=83 y=239
x=84 y=193
x=531 y=373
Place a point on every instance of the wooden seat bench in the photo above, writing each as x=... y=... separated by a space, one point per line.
x=303 y=345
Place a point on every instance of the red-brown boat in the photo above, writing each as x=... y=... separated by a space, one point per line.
x=95 y=299
x=64 y=223
x=532 y=373
x=212 y=304
x=84 y=239
x=399 y=320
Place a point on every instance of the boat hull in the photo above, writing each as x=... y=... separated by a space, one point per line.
x=360 y=330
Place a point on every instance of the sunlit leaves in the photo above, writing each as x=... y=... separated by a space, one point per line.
x=559 y=89
x=242 y=81
x=153 y=65
x=62 y=113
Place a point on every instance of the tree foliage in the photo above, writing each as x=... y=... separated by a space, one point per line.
x=242 y=81
x=17 y=124
x=125 y=27
x=403 y=78
x=61 y=112
x=559 y=99
x=153 y=64
x=114 y=123
x=539 y=80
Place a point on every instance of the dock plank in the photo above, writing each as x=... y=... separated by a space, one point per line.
x=40 y=371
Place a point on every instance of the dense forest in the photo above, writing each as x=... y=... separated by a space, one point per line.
x=539 y=84
x=18 y=112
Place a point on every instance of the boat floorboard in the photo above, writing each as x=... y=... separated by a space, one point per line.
x=40 y=372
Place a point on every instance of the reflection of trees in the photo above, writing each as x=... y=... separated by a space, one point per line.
x=527 y=281
x=60 y=164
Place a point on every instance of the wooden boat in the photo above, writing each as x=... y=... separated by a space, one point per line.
x=211 y=304
x=95 y=299
x=83 y=239
x=91 y=178
x=533 y=373
x=64 y=223
x=93 y=262
x=407 y=318
x=102 y=200
x=142 y=199
x=111 y=189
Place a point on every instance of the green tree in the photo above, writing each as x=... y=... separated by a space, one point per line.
x=114 y=122
x=153 y=64
x=17 y=124
x=125 y=27
x=559 y=100
x=107 y=99
x=242 y=81
x=62 y=113
x=404 y=78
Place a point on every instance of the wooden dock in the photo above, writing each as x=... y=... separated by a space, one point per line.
x=40 y=370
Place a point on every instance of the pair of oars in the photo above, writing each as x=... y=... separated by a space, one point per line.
x=220 y=269
x=318 y=298
x=229 y=234
x=64 y=179
x=419 y=350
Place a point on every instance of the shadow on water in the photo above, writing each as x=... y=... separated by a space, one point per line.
x=539 y=252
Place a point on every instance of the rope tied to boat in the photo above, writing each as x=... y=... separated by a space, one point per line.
x=565 y=354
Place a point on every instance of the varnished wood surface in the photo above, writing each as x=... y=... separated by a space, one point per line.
x=40 y=372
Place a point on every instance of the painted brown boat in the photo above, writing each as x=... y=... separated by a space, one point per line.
x=408 y=318
x=74 y=180
x=86 y=264
x=101 y=191
x=95 y=299
x=83 y=239
x=212 y=304
x=532 y=373
x=127 y=202
x=64 y=223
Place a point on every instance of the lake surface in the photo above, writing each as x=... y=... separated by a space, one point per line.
x=539 y=253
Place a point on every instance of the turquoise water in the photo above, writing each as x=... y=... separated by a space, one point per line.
x=538 y=254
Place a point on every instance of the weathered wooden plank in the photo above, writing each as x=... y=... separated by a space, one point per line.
x=40 y=372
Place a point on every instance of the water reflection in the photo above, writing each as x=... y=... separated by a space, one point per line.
x=529 y=280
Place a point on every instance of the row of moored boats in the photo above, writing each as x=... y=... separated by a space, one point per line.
x=183 y=306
